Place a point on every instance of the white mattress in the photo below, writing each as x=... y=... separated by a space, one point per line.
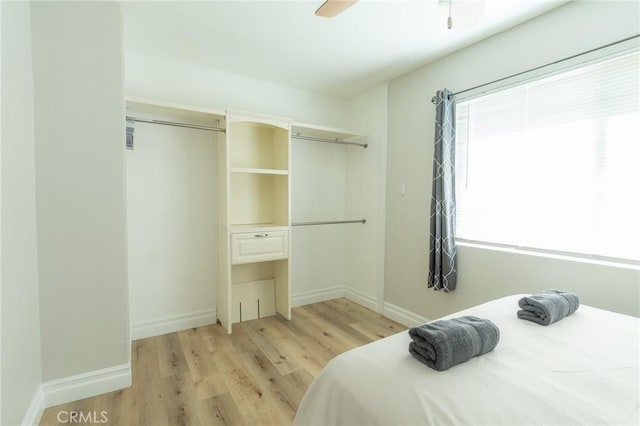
x=580 y=370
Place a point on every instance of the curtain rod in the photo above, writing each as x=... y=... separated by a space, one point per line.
x=175 y=124
x=327 y=140
x=433 y=99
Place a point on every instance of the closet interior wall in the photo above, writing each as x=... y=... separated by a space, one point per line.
x=319 y=193
x=171 y=221
x=341 y=183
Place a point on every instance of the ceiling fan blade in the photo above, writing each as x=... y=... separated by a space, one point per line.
x=331 y=8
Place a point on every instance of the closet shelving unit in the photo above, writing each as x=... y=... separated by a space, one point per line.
x=253 y=218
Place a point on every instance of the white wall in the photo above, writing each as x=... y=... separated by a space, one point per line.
x=318 y=193
x=80 y=189
x=19 y=262
x=171 y=220
x=156 y=78
x=570 y=29
x=366 y=186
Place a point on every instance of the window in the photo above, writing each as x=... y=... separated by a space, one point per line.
x=553 y=164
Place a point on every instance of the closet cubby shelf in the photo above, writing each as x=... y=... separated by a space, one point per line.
x=257 y=227
x=253 y=170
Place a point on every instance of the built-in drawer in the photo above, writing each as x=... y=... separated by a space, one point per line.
x=251 y=247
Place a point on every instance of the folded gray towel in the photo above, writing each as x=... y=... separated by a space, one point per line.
x=548 y=306
x=445 y=343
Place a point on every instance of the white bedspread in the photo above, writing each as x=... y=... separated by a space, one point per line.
x=580 y=370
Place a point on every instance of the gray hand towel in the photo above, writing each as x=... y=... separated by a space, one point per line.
x=548 y=306
x=445 y=343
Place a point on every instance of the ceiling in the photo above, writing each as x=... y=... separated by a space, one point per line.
x=285 y=43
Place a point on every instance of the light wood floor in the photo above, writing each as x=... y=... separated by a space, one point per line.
x=255 y=376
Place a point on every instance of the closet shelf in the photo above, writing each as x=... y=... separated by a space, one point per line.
x=258 y=227
x=250 y=170
x=312 y=132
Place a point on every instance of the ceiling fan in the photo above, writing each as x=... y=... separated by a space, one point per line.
x=331 y=8
x=468 y=12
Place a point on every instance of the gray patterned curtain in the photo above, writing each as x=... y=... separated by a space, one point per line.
x=442 y=246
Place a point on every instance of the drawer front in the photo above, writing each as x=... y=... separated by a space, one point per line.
x=259 y=247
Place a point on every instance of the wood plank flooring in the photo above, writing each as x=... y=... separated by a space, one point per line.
x=255 y=376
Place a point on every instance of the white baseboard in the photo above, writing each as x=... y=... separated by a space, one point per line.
x=396 y=313
x=73 y=388
x=144 y=329
x=316 y=296
x=403 y=316
x=362 y=299
x=36 y=408
x=86 y=385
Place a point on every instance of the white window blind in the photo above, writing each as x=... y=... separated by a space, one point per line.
x=553 y=164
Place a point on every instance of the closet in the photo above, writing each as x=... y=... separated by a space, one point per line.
x=227 y=251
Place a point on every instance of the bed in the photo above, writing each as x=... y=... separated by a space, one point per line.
x=580 y=370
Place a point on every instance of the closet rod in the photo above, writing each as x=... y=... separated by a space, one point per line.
x=329 y=222
x=433 y=100
x=171 y=123
x=327 y=140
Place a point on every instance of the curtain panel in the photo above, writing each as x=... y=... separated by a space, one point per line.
x=442 y=247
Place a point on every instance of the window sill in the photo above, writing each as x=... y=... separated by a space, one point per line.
x=571 y=257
